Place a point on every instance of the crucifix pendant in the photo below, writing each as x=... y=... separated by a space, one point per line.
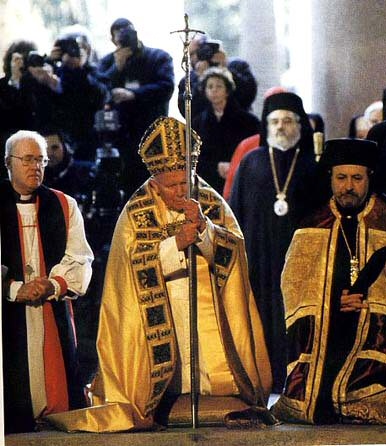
x=354 y=269
x=28 y=271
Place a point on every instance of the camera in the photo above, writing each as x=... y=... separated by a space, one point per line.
x=208 y=49
x=127 y=37
x=107 y=196
x=68 y=46
x=34 y=59
x=106 y=121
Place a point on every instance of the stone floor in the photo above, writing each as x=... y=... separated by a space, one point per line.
x=283 y=435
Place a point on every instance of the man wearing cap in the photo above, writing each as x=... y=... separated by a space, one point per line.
x=270 y=194
x=141 y=83
x=336 y=331
x=143 y=340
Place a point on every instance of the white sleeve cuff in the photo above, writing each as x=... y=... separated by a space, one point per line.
x=13 y=290
x=205 y=240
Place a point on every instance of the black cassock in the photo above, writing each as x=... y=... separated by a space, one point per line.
x=267 y=235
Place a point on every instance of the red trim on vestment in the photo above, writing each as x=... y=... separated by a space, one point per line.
x=21 y=238
x=54 y=370
x=72 y=319
x=66 y=212
x=42 y=264
x=63 y=284
x=66 y=209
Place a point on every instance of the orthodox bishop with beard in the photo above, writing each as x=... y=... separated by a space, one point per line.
x=333 y=284
x=270 y=194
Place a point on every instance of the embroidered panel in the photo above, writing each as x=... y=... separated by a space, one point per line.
x=152 y=294
x=224 y=257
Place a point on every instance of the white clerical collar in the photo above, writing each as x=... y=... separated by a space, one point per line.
x=25 y=197
x=282 y=149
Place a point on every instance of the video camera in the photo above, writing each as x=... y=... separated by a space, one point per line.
x=106 y=121
x=127 y=38
x=208 y=49
x=107 y=196
x=34 y=59
x=69 y=46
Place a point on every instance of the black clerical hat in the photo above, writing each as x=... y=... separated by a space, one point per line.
x=361 y=152
x=292 y=102
x=284 y=101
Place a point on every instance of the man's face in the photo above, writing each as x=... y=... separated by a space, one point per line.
x=350 y=185
x=26 y=178
x=172 y=188
x=55 y=149
x=283 y=129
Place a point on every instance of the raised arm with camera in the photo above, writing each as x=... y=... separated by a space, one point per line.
x=140 y=80
x=134 y=71
x=80 y=90
x=206 y=53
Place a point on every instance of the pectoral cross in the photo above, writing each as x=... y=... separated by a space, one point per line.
x=354 y=269
x=28 y=271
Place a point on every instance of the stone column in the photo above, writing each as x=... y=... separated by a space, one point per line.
x=258 y=45
x=348 y=59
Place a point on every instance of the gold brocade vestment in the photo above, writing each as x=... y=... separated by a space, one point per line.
x=137 y=345
x=359 y=389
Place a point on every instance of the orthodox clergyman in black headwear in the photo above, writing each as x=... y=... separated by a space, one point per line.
x=334 y=296
x=143 y=340
x=271 y=193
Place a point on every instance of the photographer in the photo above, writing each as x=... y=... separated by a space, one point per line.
x=13 y=111
x=28 y=96
x=141 y=83
x=81 y=93
x=206 y=53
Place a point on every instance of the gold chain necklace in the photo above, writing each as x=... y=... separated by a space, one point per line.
x=354 y=259
x=280 y=206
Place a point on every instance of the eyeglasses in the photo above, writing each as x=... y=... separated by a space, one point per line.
x=29 y=160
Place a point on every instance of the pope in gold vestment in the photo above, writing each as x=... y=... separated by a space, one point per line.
x=140 y=339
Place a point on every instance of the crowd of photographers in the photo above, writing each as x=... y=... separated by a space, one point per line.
x=101 y=108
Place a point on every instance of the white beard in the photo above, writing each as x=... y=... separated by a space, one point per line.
x=283 y=143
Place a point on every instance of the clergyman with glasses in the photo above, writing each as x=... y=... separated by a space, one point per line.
x=46 y=263
x=270 y=194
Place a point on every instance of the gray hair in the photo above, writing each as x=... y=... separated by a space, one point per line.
x=21 y=135
x=374 y=106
